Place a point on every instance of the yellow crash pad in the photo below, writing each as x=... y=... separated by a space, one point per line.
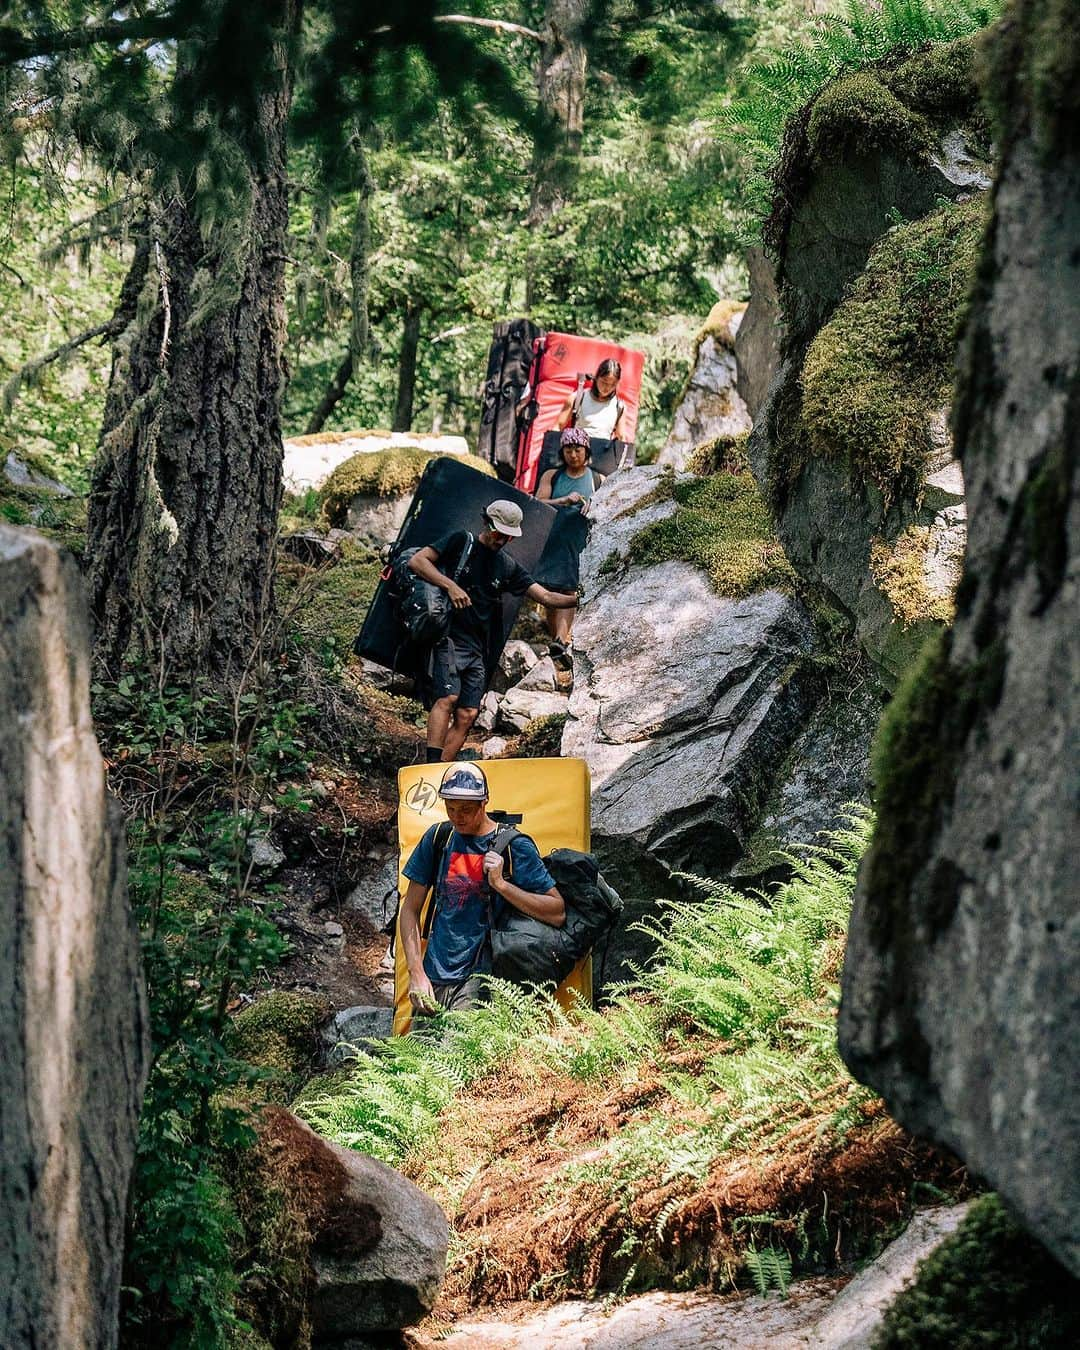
x=551 y=796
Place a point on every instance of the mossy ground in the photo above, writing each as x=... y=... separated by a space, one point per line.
x=383 y=473
x=989 y=1285
x=899 y=571
x=884 y=362
x=542 y=738
x=277 y=1032
x=722 y=525
x=325 y=605
x=61 y=519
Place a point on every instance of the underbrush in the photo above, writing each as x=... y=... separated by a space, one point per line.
x=699 y=1130
x=221 y=786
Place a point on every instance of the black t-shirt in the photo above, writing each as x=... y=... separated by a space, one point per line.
x=487 y=577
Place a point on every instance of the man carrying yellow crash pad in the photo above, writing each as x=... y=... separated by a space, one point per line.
x=469 y=886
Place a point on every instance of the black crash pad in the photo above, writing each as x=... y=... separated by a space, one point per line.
x=452 y=496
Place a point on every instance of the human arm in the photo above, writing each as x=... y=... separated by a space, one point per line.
x=565 y=414
x=543 y=492
x=617 y=429
x=423 y=563
x=553 y=599
x=547 y=906
x=421 y=994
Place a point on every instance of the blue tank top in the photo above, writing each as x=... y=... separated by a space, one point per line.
x=562 y=484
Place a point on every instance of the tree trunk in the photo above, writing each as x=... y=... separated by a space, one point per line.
x=410 y=340
x=360 y=277
x=560 y=83
x=187 y=486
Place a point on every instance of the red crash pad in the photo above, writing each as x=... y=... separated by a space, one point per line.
x=558 y=362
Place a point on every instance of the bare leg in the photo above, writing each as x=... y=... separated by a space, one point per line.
x=438 y=721
x=564 y=621
x=455 y=736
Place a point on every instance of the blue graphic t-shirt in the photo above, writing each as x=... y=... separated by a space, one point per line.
x=456 y=946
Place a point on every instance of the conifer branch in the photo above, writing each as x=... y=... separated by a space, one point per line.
x=27 y=373
x=500 y=25
x=16 y=46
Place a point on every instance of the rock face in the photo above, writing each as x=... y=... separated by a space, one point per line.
x=854 y=507
x=757 y=341
x=710 y=406
x=959 y=996
x=73 y=1026
x=685 y=703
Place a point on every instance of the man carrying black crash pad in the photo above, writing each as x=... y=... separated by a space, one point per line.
x=460 y=662
x=469 y=886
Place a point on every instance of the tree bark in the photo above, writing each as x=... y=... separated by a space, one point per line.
x=410 y=341
x=560 y=83
x=360 y=277
x=187 y=486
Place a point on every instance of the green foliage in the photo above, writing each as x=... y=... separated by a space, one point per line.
x=882 y=365
x=324 y=606
x=863 y=34
x=722 y=525
x=542 y=737
x=990 y=1286
x=770 y=1268
x=194 y=769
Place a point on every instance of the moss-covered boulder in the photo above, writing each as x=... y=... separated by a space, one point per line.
x=370 y=494
x=876 y=229
x=959 y=993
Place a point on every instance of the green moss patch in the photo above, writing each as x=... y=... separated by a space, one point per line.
x=722 y=525
x=325 y=606
x=858 y=114
x=61 y=519
x=278 y=1031
x=990 y=1284
x=542 y=738
x=383 y=473
x=900 y=573
x=884 y=362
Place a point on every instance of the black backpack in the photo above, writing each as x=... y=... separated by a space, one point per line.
x=529 y=951
x=423 y=610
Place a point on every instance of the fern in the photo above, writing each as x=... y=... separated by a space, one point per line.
x=770 y=1268
x=863 y=34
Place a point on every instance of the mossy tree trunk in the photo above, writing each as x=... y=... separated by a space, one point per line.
x=560 y=83
x=406 y=393
x=187 y=485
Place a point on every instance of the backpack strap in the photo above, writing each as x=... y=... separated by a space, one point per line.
x=440 y=842
x=466 y=554
x=579 y=399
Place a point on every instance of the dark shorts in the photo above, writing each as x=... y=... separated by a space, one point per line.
x=456 y=669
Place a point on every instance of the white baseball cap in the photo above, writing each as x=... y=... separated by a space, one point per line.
x=505 y=517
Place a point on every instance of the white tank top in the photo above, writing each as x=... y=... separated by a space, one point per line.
x=598 y=417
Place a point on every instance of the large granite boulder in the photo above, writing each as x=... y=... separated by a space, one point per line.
x=710 y=406
x=73 y=1022
x=378 y=1243
x=853 y=431
x=685 y=704
x=960 y=995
